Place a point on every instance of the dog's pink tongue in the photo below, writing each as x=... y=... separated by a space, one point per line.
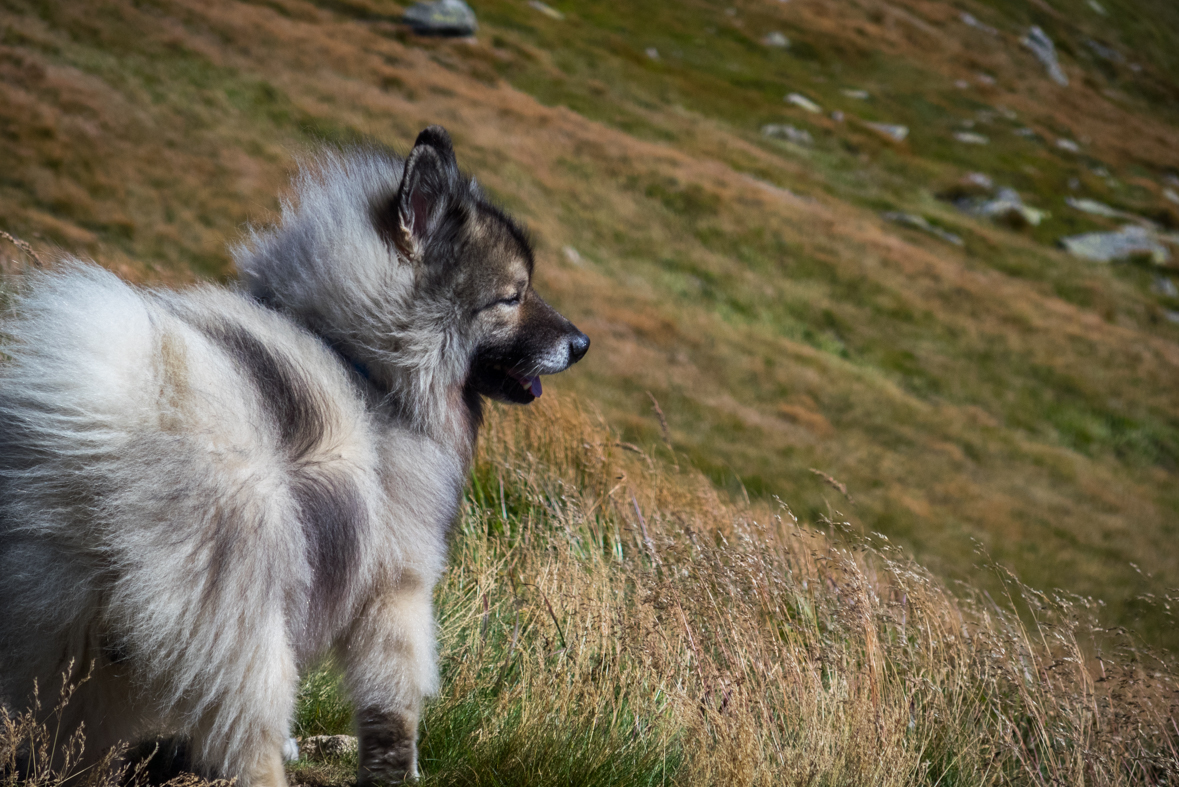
x=535 y=387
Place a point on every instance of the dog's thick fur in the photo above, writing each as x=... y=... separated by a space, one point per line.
x=203 y=491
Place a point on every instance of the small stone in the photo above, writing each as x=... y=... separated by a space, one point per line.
x=326 y=747
x=1069 y=145
x=837 y=116
x=799 y=100
x=921 y=223
x=1129 y=241
x=1104 y=52
x=441 y=18
x=787 y=132
x=1172 y=316
x=548 y=11
x=1165 y=286
x=985 y=79
x=970 y=21
x=980 y=180
x=860 y=95
x=961 y=84
x=1045 y=51
x=1074 y=184
x=776 y=39
x=1006 y=207
x=1171 y=195
x=1098 y=7
x=894 y=132
x=1025 y=132
x=573 y=256
x=1095 y=208
x=652 y=52
x=970 y=138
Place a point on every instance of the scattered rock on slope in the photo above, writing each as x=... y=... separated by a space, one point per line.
x=921 y=223
x=1006 y=207
x=894 y=132
x=1045 y=51
x=971 y=138
x=548 y=11
x=326 y=747
x=776 y=39
x=801 y=101
x=787 y=132
x=970 y=21
x=441 y=18
x=1095 y=208
x=1129 y=241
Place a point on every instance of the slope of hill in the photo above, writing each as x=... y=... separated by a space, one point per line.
x=997 y=392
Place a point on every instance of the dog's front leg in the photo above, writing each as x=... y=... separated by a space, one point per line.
x=390 y=665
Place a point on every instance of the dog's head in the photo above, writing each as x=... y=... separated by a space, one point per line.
x=474 y=263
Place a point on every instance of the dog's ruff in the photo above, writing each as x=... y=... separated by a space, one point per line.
x=201 y=492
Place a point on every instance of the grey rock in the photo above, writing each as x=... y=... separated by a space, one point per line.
x=859 y=95
x=921 y=223
x=574 y=256
x=776 y=39
x=970 y=138
x=1171 y=195
x=1025 y=132
x=1006 y=207
x=1165 y=287
x=326 y=747
x=801 y=101
x=1068 y=144
x=1095 y=208
x=1172 y=316
x=980 y=180
x=894 y=132
x=787 y=132
x=970 y=21
x=1104 y=52
x=1045 y=51
x=652 y=52
x=441 y=18
x=1129 y=241
x=547 y=10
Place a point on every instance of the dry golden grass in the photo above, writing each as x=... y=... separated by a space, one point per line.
x=609 y=620
x=598 y=592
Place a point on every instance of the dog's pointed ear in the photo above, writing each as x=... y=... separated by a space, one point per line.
x=431 y=178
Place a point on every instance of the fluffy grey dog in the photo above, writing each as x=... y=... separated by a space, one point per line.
x=203 y=491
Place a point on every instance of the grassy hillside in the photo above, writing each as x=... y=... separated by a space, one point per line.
x=608 y=620
x=998 y=393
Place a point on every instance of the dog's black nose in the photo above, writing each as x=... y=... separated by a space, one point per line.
x=578 y=346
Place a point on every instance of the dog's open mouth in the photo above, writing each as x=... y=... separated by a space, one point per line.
x=505 y=383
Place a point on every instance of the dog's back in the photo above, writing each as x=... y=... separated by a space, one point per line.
x=159 y=454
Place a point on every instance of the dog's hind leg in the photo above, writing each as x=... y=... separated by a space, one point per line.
x=390 y=665
x=242 y=730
